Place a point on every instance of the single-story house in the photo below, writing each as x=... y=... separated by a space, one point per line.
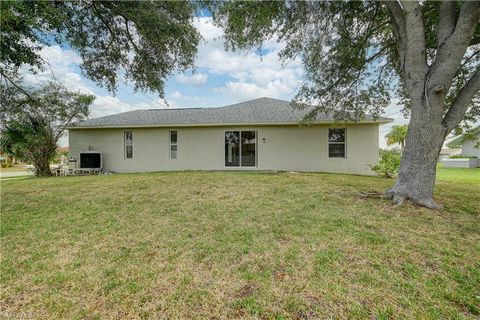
x=261 y=134
x=470 y=143
x=62 y=150
x=446 y=153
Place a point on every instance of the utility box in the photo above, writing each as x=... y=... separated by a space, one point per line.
x=72 y=163
x=91 y=160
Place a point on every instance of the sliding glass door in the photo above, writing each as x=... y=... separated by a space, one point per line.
x=240 y=148
x=232 y=148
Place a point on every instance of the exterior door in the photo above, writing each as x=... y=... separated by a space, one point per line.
x=241 y=148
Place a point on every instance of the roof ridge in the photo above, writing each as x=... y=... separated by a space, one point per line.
x=169 y=109
x=252 y=100
x=116 y=114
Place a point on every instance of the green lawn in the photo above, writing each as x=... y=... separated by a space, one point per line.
x=458 y=174
x=13 y=168
x=224 y=245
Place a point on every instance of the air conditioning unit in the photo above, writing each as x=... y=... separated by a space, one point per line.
x=91 y=160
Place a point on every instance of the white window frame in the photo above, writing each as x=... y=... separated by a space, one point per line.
x=344 y=143
x=240 y=150
x=125 y=144
x=170 y=144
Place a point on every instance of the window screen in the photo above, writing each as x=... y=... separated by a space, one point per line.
x=336 y=143
x=128 y=145
x=173 y=145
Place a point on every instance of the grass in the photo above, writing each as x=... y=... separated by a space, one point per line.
x=13 y=168
x=236 y=245
x=458 y=174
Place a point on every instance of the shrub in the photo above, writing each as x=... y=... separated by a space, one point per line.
x=4 y=165
x=459 y=156
x=388 y=164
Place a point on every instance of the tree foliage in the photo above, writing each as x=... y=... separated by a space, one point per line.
x=32 y=125
x=143 y=41
x=354 y=63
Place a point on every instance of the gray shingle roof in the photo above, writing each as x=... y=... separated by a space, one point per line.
x=257 y=111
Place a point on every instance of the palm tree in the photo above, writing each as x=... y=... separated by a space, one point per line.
x=397 y=135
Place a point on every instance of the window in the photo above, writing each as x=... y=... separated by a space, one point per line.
x=173 y=144
x=128 y=145
x=336 y=143
x=240 y=148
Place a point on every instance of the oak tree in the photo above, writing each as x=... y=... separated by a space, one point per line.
x=141 y=41
x=358 y=55
x=32 y=124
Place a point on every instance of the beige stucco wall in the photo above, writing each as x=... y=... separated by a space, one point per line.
x=202 y=148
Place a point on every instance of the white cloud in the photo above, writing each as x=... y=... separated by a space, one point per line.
x=60 y=66
x=244 y=91
x=255 y=75
x=206 y=28
x=196 y=79
x=176 y=95
x=106 y=105
x=63 y=67
x=55 y=54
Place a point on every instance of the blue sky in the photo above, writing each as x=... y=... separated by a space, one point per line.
x=220 y=78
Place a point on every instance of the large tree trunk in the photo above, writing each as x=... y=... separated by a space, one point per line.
x=42 y=167
x=416 y=176
x=427 y=87
x=41 y=160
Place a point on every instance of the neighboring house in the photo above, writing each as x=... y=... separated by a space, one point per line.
x=445 y=153
x=261 y=134
x=470 y=143
x=62 y=150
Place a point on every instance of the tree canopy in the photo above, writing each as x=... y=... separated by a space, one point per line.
x=141 y=41
x=353 y=58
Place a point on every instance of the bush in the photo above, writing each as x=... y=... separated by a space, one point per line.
x=388 y=164
x=459 y=156
x=4 y=165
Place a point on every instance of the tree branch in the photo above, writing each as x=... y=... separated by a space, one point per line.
x=451 y=51
x=29 y=96
x=475 y=40
x=447 y=20
x=399 y=28
x=415 y=54
x=61 y=128
x=129 y=35
x=99 y=15
x=461 y=103
x=368 y=60
x=467 y=61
